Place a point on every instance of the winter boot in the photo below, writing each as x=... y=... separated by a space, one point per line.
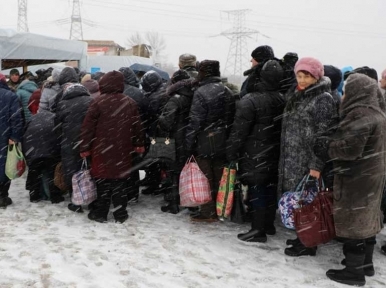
x=368 y=266
x=94 y=217
x=353 y=274
x=172 y=208
x=292 y=242
x=298 y=249
x=34 y=196
x=257 y=232
x=270 y=215
x=75 y=208
x=383 y=249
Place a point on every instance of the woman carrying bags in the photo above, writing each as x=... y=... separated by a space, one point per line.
x=358 y=152
x=309 y=113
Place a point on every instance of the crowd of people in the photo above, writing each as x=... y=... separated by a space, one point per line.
x=290 y=118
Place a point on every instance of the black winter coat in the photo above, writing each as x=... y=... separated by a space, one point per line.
x=40 y=139
x=175 y=115
x=70 y=113
x=255 y=136
x=213 y=106
x=157 y=101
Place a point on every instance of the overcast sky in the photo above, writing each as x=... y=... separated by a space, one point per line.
x=337 y=32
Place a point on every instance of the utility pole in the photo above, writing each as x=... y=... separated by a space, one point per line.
x=22 y=24
x=76 y=32
x=238 y=53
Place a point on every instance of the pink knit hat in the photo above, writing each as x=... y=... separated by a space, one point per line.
x=311 y=65
x=2 y=78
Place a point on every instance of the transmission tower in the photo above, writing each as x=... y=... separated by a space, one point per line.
x=238 y=51
x=76 y=32
x=22 y=24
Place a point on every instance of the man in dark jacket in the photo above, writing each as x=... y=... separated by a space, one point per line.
x=11 y=127
x=255 y=143
x=259 y=56
x=211 y=115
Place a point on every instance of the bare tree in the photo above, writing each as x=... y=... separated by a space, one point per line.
x=135 y=39
x=157 y=43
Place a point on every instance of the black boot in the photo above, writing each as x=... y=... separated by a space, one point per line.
x=353 y=274
x=292 y=242
x=257 y=233
x=383 y=249
x=298 y=249
x=368 y=266
x=75 y=208
x=172 y=208
x=270 y=216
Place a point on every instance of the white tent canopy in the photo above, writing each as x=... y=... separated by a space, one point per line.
x=25 y=49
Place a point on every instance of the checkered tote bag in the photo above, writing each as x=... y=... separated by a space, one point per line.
x=83 y=186
x=194 y=186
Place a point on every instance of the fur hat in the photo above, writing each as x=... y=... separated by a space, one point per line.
x=187 y=60
x=262 y=53
x=310 y=65
x=291 y=58
x=150 y=81
x=112 y=83
x=208 y=68
x=179 y=75
x=334 y=74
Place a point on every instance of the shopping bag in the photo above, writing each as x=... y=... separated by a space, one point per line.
x=238 y=210
x=162 y=148
x=314 y=222
x=306 y=192
x=83 y=186
x=194 y=186
x=224 y=201
x=15 y=163
x=59 y=179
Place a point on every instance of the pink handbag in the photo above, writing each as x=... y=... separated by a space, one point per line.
x=194 y=186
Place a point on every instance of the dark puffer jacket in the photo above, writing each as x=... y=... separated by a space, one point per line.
x=156 y=94
x=40 y=139
x=70 y=113
x=255 y=137
x=308 y=114
x=11 y=123
x=175 y=115
x=213 y=106
x=132 y=90
x=358 y=150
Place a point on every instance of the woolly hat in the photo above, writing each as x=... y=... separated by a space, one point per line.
x=14 y=71
x=55 y=75
x=262 y=53
x=179 y=75
x=112 y=83
x=150 y=81
x=310 y=65
x=92 y=86
x=272 y=74
x=208 y=68
x=363 y=70
x=187 y=60
x=68 y=75
x=334 y=74
x=3 y=79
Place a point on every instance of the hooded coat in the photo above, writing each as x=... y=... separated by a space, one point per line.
x=11 y=124
x=132 y=90
x=255 y=136
x=111 y=130
x=358 y=151
x=175 y=115
x=24 y=92
x=308 y=114
x=49 y=91
x=70 y=113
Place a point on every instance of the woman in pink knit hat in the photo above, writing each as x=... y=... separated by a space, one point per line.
x=310 y=111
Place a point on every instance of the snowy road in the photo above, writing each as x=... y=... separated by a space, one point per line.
x=45 y=245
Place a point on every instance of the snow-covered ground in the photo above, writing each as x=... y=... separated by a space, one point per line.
x=45 y=245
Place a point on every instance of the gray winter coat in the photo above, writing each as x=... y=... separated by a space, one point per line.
x=308 y=114
x=358 y=151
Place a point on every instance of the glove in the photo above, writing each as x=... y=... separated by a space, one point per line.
x=321 y=147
